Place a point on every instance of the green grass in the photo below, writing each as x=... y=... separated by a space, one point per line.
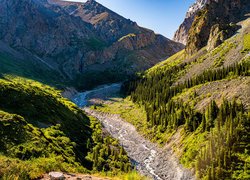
x=36 y=122
x=172 y=61
x=95 y=44
x=133 y=176
x=28 y=152
x=128 y=110
x=221 y=53
x=191 y=144
x=29 y=69
x=127 y=36
x=246 y=42
x=136 y=115
x=13 y=168
x=41 y=131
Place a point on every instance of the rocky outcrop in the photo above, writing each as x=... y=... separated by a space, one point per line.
x=215 y=23
x=218 y=34
x=181 y=34
x=74 y=37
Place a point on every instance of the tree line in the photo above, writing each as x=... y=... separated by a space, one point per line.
x=228 y=125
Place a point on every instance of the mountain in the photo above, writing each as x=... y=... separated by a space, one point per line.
x=181 y=35
x=215 y=23
x=234 y=11
x=63 y=44
x=109 y=25
x=196 y=103
x=81 y=42
x=198 y=100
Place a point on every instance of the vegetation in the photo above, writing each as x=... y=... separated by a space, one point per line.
x=90 y=79
x=222 y=52
x=106 y=154
x=129 y=111
x=41 y=131
x=127 y=36
x=215 y=139
x=226 y=147
x=29 y=69
x=95 y=44
x=246 y=42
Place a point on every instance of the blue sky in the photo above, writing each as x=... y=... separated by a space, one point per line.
x=162 y=16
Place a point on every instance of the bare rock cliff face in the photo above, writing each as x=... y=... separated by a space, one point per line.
x=31 y=26
x=181 y=34
x=75 y=37
x=215 y=23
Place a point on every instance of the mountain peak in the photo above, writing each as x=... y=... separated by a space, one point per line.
x=92 y=2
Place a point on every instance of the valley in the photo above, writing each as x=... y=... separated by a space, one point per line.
x=86 y=93
x=148 y=158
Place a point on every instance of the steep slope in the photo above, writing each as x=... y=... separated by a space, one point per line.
x=129 y=49
x=52 y=35
x=211 y=27
x=81 y=41
x=109 y=25
x=204 y=101
x=215 y=23
x=28 y=65
x=181 y=35
x=42 y=132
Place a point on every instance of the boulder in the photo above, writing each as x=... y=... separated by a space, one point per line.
x=56 y=176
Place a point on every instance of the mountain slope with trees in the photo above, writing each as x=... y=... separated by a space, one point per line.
x=206 y=97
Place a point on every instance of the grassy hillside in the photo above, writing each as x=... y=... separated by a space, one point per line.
x=204 y=98
x=41 y=131
x=29 y=67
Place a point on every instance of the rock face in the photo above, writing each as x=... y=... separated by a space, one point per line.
x=77 y=39
x=181 y=34
x=215 y=23
x=109 y=25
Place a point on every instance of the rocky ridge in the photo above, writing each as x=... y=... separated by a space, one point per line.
x=80 y=38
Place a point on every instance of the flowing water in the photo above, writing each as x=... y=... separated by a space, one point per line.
x=150 y=160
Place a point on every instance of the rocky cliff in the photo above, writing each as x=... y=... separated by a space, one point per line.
x=215 y=23
x=181 y=34
x=79 y=39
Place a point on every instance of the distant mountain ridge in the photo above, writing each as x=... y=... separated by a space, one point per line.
x=108 y=24
x=80 y=41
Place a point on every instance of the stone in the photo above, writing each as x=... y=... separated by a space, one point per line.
x=215 y=23
x=56 y=176
x=181 y=35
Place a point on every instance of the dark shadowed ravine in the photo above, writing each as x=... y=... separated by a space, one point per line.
x=150 y=160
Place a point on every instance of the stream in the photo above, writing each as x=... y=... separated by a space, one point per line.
x=149 y=159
